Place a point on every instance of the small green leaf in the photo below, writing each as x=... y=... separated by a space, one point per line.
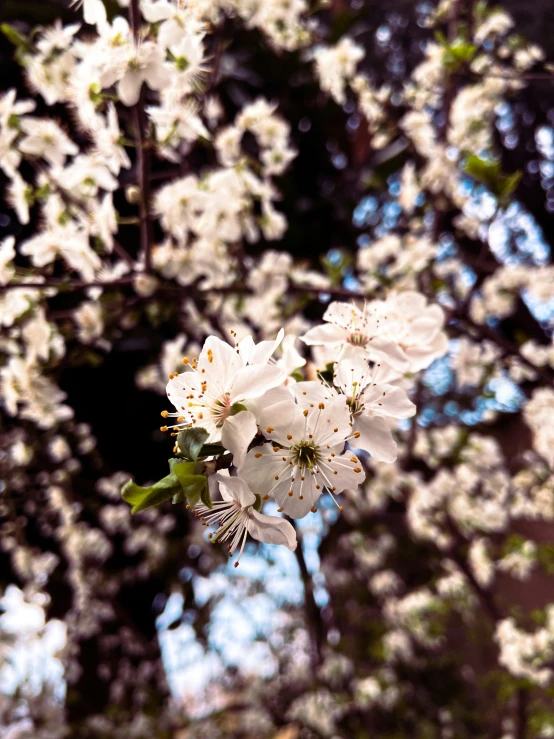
x=16 y=38
x=489 y=174
x=205 y=496
x=192 y=487
x=237 y=408
x=258 y=504
x=211 y=450
x=184 y=468
x=179 y=498
x=191 y=441
x=457 y=54
x=141 y=498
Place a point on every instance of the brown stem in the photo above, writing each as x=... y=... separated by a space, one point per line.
x=522 y=698
x=143 y=156
x=315 y=624
x=61 y=283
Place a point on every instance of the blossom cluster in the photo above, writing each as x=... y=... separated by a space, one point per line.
x=292 y=439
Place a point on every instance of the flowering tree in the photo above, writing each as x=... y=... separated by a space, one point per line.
x=392 y=384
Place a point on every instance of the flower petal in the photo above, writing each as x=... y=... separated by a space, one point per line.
x=237 y=433
x=235 y=488
x=376 y=438
x=128 y=88
x=388 y=400
x=271 y=530
x=254 y=380
x=324 y=334
x=283 y=423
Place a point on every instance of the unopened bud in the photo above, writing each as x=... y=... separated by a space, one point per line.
x=132 y=194
x=145 y=285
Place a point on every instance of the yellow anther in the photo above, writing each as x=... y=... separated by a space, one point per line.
x=164 y=414
x=163 y=428
x=186 y=360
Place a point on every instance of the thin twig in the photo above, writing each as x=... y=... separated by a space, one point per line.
x=143 y=156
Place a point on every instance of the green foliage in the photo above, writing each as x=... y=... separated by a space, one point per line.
x=545 y=556
x=191 y=441
x=458 y=54
x=15 y=37
x=488 y=172
x=182 y=483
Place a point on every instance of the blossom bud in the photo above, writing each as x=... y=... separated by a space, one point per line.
x=145 y=285
x=132 y=194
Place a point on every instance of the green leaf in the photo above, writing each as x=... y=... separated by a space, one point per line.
x=211 y=450
x=191 y=483
x=489 y=174
x=191 y=441
x=15 y=37
x=458 y=54
x=237 y=408
x=205 y=496
x=185 y=468
x=192 y=487
x=140 y=498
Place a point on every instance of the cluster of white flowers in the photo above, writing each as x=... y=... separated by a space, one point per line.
x=292 y=441
x=527 y=654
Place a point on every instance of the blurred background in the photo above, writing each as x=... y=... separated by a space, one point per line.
x=270 y=650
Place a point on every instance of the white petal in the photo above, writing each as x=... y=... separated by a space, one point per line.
x=352 y=370
x=281 y=421
x=128 y=88
x=246 y=347
x=271 y=530
x=265 y=349
x=276 y=395
x=342 y=472
x=375 y=438
x=389 y=400
x=294 y=505
x=261 y=466
x=255 y=380
x=94 y=12
x=343 y=314
x=389 y=351
x=157 y=76
x=325 y=334
x=236 y=489
x=311 y=393
x=237 y=433
x=155 y=11
x=218 y=364
x=331 y=424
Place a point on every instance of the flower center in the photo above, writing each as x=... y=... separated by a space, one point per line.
x=221 y=410
x=355 y=406
x=358 y=339
x=305 y=454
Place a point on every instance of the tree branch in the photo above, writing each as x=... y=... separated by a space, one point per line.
x=143 y=156
x=315 y=624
